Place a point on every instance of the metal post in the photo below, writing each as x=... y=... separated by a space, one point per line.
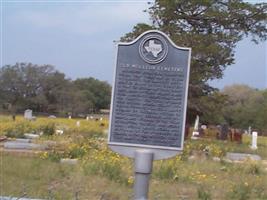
x=143 y=169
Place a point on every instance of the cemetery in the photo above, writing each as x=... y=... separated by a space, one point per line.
x=160 y=130
x=78 y=164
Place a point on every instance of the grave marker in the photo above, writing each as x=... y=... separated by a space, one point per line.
x=254 y=140
x=28 y=114
x=149 y=100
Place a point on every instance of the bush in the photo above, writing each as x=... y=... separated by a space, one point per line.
x=18 y=130
x=48 y=129
x=240 y=192
x=203 y=194
x=165 y=171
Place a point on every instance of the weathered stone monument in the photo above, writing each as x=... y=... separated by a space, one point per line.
x=195 y=133
x=149 y=101
x=224 y=132
x=254 y=140
x=28 y=114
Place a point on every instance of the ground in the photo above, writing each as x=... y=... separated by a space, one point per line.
x=102 y=174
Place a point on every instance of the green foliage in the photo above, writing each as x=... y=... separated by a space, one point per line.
x=212 y=29
x=43 y=89
x=203 y=194
x=48 y=129
x=245 y=107
x=165 y=171
x=240 y=192
x=253 y=168
x=18 y=130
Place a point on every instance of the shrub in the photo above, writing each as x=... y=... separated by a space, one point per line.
x=253 y=168
x=48 y=129
x=203 y=194
x=240 y=192
x=165 y=171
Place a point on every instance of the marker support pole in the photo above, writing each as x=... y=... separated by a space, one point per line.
x=143 y=169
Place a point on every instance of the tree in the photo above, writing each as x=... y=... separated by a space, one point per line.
x=44 y=89
x=245 y=107
x=212 y=29
x=22 y=84
x=97 y=93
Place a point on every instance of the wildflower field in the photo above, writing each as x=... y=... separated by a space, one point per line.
x=103 y=174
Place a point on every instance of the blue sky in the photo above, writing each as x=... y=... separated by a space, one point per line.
x=78 y=39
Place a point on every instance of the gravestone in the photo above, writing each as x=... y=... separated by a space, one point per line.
x=195 y=133
x=254 y=140
x=249 y=130
x=224 y=132
x=28 y=114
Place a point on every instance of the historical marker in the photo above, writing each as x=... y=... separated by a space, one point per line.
x=149 y=100
x=150 y=93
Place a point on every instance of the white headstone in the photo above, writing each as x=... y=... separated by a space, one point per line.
x=254 y=140
x=249 y=130
x=59 y=132
x=28 y=114
x=204 y=126
x=70 y=117
x=78 y=123
x=196 y=123
x=87 y=118
x=195 y=133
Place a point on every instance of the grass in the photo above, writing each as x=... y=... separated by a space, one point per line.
x=44 y=178
x=103 y=174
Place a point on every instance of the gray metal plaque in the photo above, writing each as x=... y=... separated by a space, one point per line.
x=149 y=94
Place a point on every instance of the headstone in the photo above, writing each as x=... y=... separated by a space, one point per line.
x=68 y=161
x=254 y=140
x=21 y=140
x=52 y=117
x=16 y=198
x=31 y=136
x=3 y=138
x=224 y=132
x=249 y=130
x=196 y=123
x=87 y=118
x=78 y=123
x=195 y=133
x=23 y=145
x=237 y=135
x=241 y=156
x=70 y=117
x=28 y=114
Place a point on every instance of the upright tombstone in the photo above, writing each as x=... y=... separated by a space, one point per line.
x=254 y=140
x=28 y=114
x=149 y=100
x=249 y=130
x=224 y=132
x=195 y=133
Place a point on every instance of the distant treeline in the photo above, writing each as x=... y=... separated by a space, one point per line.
x=44 y=89
x=239 y=106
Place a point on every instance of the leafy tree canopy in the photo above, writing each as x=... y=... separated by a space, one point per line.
x=212 y=29
x=44 y=89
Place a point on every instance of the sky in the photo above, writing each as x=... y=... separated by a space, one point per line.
x=78 y=38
